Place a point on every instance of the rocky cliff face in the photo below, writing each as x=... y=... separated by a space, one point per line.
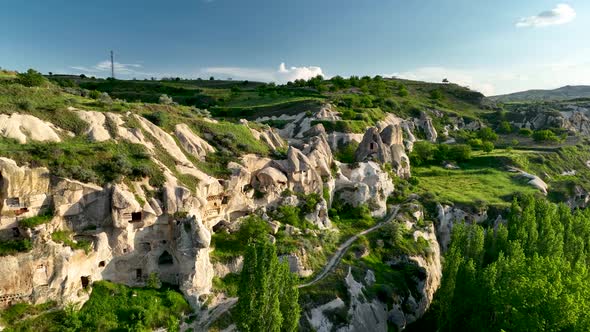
x=135 y=229
x=367 y=313
x=571 y=116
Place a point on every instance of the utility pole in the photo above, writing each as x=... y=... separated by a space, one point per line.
x=112 y=66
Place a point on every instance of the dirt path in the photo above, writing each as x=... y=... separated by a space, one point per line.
x=344 y=248
x=212 y=315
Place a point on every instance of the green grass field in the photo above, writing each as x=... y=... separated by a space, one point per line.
x=484 y=178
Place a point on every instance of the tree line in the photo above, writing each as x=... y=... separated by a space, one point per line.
x=530 y=274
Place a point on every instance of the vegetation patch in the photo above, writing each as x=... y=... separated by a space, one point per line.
x=12 y=247
x=111 y=307
x=65 y=237
x=33 y=222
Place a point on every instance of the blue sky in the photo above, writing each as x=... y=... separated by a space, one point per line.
x=493 y=46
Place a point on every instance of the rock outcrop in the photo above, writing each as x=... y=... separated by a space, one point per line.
x=385 y=146
x=192 y=143
x=365 y=184
x=25 y=128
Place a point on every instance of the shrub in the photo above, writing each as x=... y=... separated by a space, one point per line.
x=422 y=153
x=505 y=127
x=12 y=247
x=402 y=91
x=25 y=105
x=165 y=100
x=475 y=143
x=94 y=94
x=31 y=78
x=525 y=132
x=346 y=154
x=460 y=152
x=545 y=136
x=436 y=94
x=105 y=99
x=488 y=147
x=158 y=118
x=487 y=134
x=65 y=237
x=35 y=221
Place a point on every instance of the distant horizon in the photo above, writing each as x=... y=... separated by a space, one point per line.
x=495 y=48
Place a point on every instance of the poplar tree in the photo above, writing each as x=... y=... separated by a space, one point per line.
x=268 y=296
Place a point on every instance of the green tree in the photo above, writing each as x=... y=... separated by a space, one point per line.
x=505 y=127
x=545 y=136
x=267 y=294
x=422 y=153
x=31 y=78
x=487 y=134
x=528 y=276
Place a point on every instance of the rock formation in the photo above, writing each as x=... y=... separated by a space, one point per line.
x=385 y=147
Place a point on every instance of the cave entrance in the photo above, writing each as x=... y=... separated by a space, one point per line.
x=138 y=274
x=136 y=216
x=85 y=281
x=165 y=259
x=101 y=264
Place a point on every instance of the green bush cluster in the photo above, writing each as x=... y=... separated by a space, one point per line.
x=98 y=162
x=65 y=237
x=111 y=307
x=546 y=135
x=229 y=245
x=31 y=78
x=11 y=247
x=425 y=153
x=528 y=275
x=32 y=222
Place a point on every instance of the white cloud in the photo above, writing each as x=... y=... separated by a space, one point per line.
x=280 y=75
x=126 y=69
x=561 y=14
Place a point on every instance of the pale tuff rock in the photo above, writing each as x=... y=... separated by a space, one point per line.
x=337 y=139
x=319 y=154
x=233 y=266
x=319 y=217
x=297 y=262
x=133 y=135
x=85 y=205
x=23 y=192
x=318 y=319
x=448 y=216
x=267 y=135
x=327 y=113
x=425 y=124
x=365 y=184
x=534 y=180
x=571 y=117
x=271 y=178
x=301 y=172
x=192 y=143
x=364 y=315
x=96 y=131
x=25 y=128
x=385 y=146
x=165 y=140
x=433 y=269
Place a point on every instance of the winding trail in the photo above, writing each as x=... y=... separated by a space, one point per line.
x=335 y=259
x=213 y=314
